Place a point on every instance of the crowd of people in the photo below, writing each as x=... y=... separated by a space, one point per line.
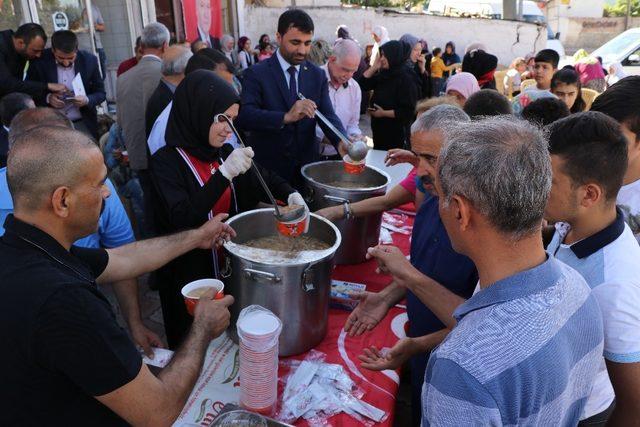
x=522 y=286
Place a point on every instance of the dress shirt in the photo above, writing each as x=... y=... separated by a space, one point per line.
x=204 y=36
x=346 y=104
x=285 y=69
x=65 y=77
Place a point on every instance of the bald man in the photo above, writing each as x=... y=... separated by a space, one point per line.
x=69 y=361
x=114 y=228
x=344 y=92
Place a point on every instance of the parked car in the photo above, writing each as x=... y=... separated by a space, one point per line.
x=624 y=48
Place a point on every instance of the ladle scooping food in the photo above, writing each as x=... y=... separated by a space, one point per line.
x=357 y=150
x=281 y=214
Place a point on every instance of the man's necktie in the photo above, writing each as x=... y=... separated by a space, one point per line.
x=293 y=87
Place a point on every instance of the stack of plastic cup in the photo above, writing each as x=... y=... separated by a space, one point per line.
x=258 y=332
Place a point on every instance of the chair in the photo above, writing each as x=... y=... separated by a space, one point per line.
x=527 y=83
x=588 y=95
x=499 y=78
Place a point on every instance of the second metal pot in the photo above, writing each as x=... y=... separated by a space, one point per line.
x=358 y=234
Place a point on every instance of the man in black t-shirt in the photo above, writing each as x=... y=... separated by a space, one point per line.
x=65 y=361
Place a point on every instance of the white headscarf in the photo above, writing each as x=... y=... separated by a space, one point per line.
x=383 y=35
x=617 y=73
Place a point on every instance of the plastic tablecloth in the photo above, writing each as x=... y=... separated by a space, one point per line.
x=219 y=383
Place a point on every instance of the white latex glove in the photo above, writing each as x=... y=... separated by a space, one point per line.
x=238 y=162
x=297 y=199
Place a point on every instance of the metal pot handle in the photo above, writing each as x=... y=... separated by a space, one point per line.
x=307 y=279
x=311 y=192
x=256 y=274
x=226 y=271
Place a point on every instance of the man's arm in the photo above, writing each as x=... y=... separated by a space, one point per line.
x=151 y=401
x=252 y=114
x=441 y=301
x=95 y=90
x=372 y=308
x=9 y=84
x=375 y=360
x=394 y=198
x=353 y=126
x=137 y=258
x=625 y=378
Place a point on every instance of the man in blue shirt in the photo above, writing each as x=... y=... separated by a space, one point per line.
x=431 y=253
x=522 y=350
x=114 y=230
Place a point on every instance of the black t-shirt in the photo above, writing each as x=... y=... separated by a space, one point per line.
x=61 y=342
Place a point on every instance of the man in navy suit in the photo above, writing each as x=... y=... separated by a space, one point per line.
x=281 y=128
x=60 y=64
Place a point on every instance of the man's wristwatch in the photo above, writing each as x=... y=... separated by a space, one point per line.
x=347 y=212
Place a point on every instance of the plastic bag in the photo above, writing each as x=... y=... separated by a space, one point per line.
x=316 y=391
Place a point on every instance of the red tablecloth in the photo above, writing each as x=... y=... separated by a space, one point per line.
x=380 y=387
x=219 y=383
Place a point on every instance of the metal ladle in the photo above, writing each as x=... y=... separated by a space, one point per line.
x=289 y=216
x=357 y=150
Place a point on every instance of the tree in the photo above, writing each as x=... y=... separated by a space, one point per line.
x=620 y=8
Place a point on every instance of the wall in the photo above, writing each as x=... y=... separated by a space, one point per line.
x=591 y=33
x=576 y=8
x=505 y=39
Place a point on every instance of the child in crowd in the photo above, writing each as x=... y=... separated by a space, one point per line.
x=437 y=71
x=566 y=85
x=485 y=103
x=546 y=64
x=513 y=79
x=266 y=50
x=545 y=111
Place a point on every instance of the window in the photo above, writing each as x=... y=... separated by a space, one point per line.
x=11 y=14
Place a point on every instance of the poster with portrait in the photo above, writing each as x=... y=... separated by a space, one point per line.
x=202 y=19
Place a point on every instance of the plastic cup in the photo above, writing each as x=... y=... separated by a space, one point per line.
x=293 y=228
x=354 y=168
x=191 y=302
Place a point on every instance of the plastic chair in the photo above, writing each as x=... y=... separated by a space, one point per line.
x=588 y=95
x=527 y=83
x=499 y=78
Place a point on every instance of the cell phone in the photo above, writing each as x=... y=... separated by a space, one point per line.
x=66 y=97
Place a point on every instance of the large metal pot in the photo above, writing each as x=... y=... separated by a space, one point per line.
x=358 y=234
x=296 y=291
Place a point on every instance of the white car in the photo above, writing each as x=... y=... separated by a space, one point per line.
x=624 y=48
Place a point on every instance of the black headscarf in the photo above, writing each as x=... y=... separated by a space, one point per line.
x=198 y=98
x=450 y=58
x=478 y=62
x=397 y=54
x=343 y=32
